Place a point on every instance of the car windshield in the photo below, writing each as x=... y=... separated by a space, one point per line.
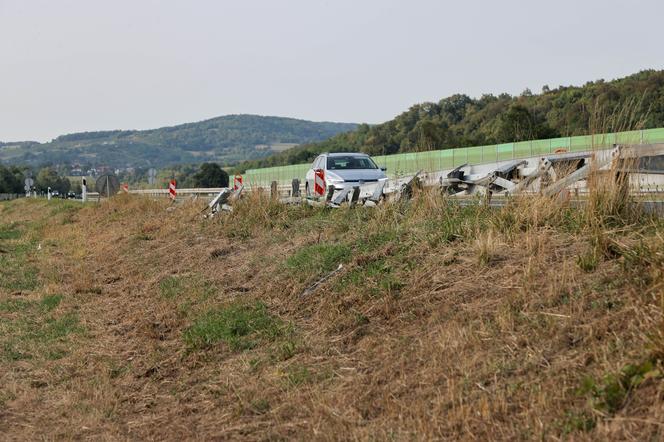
x=350 y=162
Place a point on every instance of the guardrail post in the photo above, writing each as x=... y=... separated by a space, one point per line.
x=295 y=192
x=355 y=197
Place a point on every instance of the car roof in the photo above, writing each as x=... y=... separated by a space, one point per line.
x=345 y=154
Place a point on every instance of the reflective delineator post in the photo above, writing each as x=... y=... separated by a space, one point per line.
x=319 y=182
x=84 y=190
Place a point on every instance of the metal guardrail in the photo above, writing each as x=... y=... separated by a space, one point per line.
x=191 y=191
x=11 y=196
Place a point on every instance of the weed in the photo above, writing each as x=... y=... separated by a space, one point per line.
x=486 y=246
x=611 y=392
x=286 y=350
x=298 y=374
x=587 y=261
x=144 y=237
x=260 y=406
x=577 y=421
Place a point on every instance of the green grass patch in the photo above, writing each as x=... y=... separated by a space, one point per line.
x=588 y=261
x=241 y=326
x=17 y=275
x=9 y=231
x=49 y=302
x=171 y=287
x=575 y=422
x=15 y=305
x=187 y=290
x=65 y=206
x=298 y=374
x=35 y=335
x=318 y=258
x=609 y=394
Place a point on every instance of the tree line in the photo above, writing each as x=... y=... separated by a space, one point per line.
x=633 y=102
x=12 y=179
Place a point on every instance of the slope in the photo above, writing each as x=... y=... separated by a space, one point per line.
x=133 y=321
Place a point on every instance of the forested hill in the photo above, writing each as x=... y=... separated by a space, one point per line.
x=599 y=106
x=228 y=140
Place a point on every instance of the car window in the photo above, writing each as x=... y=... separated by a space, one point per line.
x=350 y=162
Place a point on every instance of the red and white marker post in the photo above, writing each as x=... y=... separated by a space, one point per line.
x=237 y=182
x=125 y=187
x=319 y=182
x=172 y=192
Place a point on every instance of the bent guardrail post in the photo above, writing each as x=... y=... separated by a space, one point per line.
x=340 y=197
x=542 y=168
x=236 y=193
x=378 y=192
x=406 y=191
x=330 y=193
x=583 y=172
x=218 y=201
x=355 y=197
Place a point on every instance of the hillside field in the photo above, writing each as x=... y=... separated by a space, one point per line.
x=136 y=320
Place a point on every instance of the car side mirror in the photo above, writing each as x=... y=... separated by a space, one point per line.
x=384 y=169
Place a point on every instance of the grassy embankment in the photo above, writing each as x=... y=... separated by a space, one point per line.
x=125 y=320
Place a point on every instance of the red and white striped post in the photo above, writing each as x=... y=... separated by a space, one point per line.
x=172 y=192
x=237 y=182
x=319 y=182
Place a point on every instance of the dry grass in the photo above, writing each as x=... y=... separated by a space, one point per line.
x=446 y=322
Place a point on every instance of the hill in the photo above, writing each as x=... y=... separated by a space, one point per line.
x=137 y=319
x=228 y=140
x=636 y=101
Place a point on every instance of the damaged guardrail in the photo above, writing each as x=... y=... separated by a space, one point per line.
x=548 y=175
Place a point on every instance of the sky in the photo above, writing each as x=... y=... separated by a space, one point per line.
x=82 y=65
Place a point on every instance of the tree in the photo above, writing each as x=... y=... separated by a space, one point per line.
x=211 y=175
x=10 y=180
x=48 y=177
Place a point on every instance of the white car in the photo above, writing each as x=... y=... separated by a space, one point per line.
x=343 y=170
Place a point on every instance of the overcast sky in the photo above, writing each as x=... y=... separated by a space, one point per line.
x=76 y=65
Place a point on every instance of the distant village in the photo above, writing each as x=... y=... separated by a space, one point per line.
x=79 y=170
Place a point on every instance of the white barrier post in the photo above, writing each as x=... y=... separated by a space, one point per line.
x=84 y=190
